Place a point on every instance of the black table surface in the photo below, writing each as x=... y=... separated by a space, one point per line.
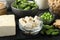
x=19 y=35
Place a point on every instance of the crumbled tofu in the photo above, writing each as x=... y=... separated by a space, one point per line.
x=30 y=22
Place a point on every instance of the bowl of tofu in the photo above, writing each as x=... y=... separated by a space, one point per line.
x=30 y=26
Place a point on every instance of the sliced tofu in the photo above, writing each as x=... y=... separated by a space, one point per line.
x=7 y=25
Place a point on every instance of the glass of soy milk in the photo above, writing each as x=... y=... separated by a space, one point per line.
x=42 y=4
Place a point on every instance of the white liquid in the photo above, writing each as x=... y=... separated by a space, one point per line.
x=43 y=4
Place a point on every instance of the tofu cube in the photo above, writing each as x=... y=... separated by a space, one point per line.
x=7 y=25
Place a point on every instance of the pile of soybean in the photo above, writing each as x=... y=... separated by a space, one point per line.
x=24 y=4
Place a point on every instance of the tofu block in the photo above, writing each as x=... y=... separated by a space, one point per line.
x=7 y=25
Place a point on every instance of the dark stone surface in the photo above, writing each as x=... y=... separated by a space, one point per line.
x=19 y=35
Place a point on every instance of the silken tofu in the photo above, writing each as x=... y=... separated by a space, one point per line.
x=7 y=25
